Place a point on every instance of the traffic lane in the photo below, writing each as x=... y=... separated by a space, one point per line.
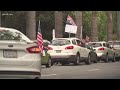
x=101 y=70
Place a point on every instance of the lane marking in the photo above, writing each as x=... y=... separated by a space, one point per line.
x=49 y=75
x=93 y=69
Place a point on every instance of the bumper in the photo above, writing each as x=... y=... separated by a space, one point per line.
x=66 y=58
x=19 y=74
x=101 y=56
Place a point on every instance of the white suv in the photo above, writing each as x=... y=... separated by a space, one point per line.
x=68 y=50
x=104 y=51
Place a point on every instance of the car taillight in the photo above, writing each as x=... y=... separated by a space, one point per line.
x=69 y=47
x=101 y=49
x=49 y=48
x=34 y=49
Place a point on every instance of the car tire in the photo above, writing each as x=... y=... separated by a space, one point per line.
x=88 y=60
x=106 y=59
x=114 y=58
x=77 y=59
x=49 y=63
x=96 y=60
x=63 y=63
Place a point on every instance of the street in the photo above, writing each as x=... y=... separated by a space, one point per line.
x=101 y=70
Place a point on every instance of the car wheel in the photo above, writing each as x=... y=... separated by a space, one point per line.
x=77 y=59
x=63 y=63
x=49 y=64
x=88 y=60
x=96 y=59
x=114 y=59
x=106 y=59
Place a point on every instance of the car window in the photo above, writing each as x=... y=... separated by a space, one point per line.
x=95 y=44
x=60 y=42
x=104 y=44
x=74 y=42
x=12 y=35
x=116 y=44
x=78 y=41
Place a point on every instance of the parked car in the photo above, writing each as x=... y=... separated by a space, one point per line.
x=104 y=51
x=93 y=54
x=116 y=47
x=68 y=50
x=45 y=60
x=19 y=56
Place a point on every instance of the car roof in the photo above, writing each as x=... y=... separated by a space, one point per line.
x=11 y=29
x=67 y=38
x=99 y=42
x=114 y=41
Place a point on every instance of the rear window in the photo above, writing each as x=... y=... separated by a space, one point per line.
x=95 y=44
x=12 y=35
x=60 y=42
x=116 y=44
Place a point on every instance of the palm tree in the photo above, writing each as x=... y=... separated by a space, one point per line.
x=78 y=16
x=58 y=24
x=118 y=24
x=31 y=24
x=94 y=31
x=109 y=26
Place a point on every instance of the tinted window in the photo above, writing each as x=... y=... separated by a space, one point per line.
x=104 y=44
x=95 y=44
x=12 y=35
x=74 y=42
x=60 y=42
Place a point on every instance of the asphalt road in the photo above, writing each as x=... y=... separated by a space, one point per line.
x=101 y=70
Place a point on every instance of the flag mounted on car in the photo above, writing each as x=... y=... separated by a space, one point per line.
x=70 y=21
x=40 y=39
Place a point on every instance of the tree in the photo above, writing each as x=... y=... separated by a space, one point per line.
x=94 y=32
x=118 y=24
x=31 y=24
x=109 y=26
x=78 y=16
x=58 y=24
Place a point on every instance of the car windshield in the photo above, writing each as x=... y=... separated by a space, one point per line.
x=60 y=42
x=95 y=44
x=13 y=35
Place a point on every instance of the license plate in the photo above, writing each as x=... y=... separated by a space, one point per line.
x=58 y=51
x=9 y=53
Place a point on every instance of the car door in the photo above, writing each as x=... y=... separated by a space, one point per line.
x=83 y=51
x=110 y=51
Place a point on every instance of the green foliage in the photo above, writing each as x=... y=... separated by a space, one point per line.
x=87 y=22
x=102 y=25
x=47 y=20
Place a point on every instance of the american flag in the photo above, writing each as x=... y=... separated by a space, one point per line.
x=40 y=39
x=70 y=21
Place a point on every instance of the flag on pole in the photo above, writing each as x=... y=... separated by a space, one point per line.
x=70 y=21
x=40 y=39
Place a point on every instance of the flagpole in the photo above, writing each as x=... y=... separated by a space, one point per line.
x=81 y=33
x=69 y=35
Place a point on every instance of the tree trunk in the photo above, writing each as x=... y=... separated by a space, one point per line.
x=109 y=26
x=0 y=18
x=58 y=24
x=118 y=24
x=78 y=16
x=31 y=24
x=94 y=31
